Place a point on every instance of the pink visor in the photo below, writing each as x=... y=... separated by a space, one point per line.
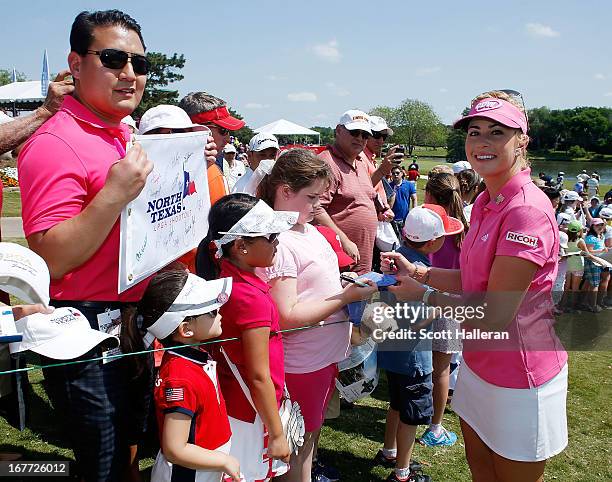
x=497 y=110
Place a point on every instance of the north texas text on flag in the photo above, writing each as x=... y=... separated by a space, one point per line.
x=170 y=216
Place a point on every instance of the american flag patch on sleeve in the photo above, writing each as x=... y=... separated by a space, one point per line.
x=174 y=394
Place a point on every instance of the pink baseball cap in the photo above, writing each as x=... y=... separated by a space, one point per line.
x=498 y=110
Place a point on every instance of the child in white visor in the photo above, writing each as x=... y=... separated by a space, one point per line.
x=182 y=310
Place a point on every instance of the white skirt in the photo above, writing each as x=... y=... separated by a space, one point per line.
x=526 y=425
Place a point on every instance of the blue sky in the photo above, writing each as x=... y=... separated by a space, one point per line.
x=310 y=61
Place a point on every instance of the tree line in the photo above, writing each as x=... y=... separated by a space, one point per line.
x=576 y=131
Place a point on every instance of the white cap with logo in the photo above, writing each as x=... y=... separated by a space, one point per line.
x=263 y=140
x=378 y=124
x=168 y=116
x=429 y=221
x=229 y=147
x=24 y=274
x=461 y=166
x=356 y=120
x=63 y=335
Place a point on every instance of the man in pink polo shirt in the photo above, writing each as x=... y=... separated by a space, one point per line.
x=349 y=205
x=75 y=179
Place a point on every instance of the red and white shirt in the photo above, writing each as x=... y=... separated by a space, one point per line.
x=187 y=383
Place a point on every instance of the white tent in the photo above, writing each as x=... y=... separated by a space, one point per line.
x=28 y=91
x=283 y=127
x=21 y=96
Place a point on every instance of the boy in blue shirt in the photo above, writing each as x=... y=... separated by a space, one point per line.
x=405 y=195
x=408 y=362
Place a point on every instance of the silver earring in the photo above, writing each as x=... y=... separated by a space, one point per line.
x=244 y=251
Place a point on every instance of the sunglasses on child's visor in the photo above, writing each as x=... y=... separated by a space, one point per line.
x=117 y=59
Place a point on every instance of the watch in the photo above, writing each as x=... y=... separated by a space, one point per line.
x=427 y=294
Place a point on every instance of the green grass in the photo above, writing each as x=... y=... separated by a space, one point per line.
x=351 y=441
x=11 y=204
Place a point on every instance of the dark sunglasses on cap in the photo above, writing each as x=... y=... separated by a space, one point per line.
x=117 y=59
x=356 y=133
x=380 y=135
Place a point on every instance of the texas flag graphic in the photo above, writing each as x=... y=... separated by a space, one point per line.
x=189 y=186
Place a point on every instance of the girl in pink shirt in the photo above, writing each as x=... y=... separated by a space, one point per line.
x=242 y=233
x=305 y=283
x=511 y=394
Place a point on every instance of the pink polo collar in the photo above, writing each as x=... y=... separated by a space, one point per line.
x=510 y=189
x=82 y=114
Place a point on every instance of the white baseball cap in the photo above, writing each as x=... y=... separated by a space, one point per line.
x=356 y=119
x=561 y=173
x=428 y=222
x=197 y=297
x=563 y=218
x=461 y=166
x=563 y=240
x=605 y=213
x=572 y=196
x=63 y=335
x=168 y=116
x=262 y=141
x=378 y=124
x=229 y=147
x=24 y=274
x=129 y=120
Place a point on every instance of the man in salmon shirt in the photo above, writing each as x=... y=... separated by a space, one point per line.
x=75 y=180
x=349 y=204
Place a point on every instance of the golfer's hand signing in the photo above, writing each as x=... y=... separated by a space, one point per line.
x=394 y=263
x=61 y=86
x=127 y=177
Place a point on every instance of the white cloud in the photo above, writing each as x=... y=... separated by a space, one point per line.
x=443 y=90
x=339 y=91
x=302 y=97
x=599 y=76
x=255 y=105
x=427 y=70
x=274 y=78
x=541 y=30
x=328 y=51
x=608 y=94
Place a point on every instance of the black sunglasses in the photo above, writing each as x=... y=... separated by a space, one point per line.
x=379 y=135
x=356 y=133
x=222 y=130
x=517 y=95
x=117 y=59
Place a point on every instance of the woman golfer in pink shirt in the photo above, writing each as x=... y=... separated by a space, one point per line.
x=511 y=393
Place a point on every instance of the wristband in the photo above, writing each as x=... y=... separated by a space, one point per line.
x=427 y=294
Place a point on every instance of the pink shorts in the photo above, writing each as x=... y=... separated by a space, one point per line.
x=312 y=391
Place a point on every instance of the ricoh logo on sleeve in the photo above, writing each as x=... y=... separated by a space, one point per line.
x=522 y=239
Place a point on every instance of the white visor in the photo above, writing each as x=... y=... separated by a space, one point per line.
x=197 y=297
x=261 y=220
